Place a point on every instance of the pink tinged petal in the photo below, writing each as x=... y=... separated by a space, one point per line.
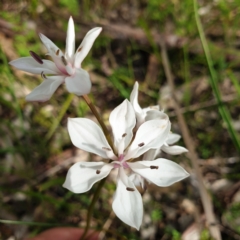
x=46 y=89
x=29 y=64
x=173 y=150
x=86 y=45
x=122 y=120
x=161 y=172
x=127 y=201
x=79 y=83
x=70 y=41
x=150 y=135
x=88 y=136
x=173 y=138
x=82 y=175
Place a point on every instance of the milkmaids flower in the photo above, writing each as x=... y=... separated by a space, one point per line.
x=87 y=135
x=151 y=113
x=64 y=67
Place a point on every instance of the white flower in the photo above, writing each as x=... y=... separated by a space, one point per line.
x=151 y=113
x=87 y=135
x=64 y=68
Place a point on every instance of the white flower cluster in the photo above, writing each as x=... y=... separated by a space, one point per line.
x=138 y=134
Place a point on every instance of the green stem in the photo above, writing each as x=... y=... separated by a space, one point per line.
x=101 y=183
x=91 y=207
x=60 y=116
x=213 y=80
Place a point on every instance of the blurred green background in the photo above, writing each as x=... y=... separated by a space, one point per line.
x=35 y=148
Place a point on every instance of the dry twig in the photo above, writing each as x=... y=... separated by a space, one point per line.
x=205 y=198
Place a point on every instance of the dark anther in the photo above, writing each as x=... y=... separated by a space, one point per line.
x=36 y=57
x=79 y=50
x=130 y=189
x=107 y=149
x=64 y=60
x=154 y=167
x=43 y=75
x=98 y=171
x=124 y=135
x=141 y=144
x=57 y=52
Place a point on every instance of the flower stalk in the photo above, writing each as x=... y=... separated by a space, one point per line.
x=91 y=207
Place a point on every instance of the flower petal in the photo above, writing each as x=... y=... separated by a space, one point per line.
x=86 y=45
x=161 y=171
x=151 y=154
x=45 y=90
x=29 y=64
x=51 y=47
x=173 y=138
x=127 y=204
x=88 y=136
x=152 y=114
x=79 y=83
x=70 y=41
x=122 y=120
x=82 y=175
x=134 y=98
x=173 y=150
x=151 y=134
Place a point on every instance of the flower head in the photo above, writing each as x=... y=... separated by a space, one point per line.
x=87 y=135
x=151 y=113
x=64 y=67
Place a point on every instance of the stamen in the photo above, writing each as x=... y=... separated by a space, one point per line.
x=36 y=57
x=107 y=149
x=141 y=144
x=153 y=167
x=64 y=61
x=130 y=189
x=124 y=135
x=57 y=52
x=79 y=50
x=43 y=75
x=98 y=171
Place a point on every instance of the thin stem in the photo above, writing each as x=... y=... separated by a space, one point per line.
x=96 y=114
x=91 y=207
x=101 y=183
x=60 y=116
x=213 y=81
x=205 y=198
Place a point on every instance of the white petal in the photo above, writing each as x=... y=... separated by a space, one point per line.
x=140 y=114
x=122 y=120
x=45 y=90
x=29 y=64
x=151 y=134
x=82 y=175
x=173 y=150
x=127 y=205
x=155 y=114
x=70 y=41
x=134 y=99
x=88 y=136
x=86 y=45
x=51 y=47
x=79 y=83
x=163 y=172
x=151 y=154
x=173 y=138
